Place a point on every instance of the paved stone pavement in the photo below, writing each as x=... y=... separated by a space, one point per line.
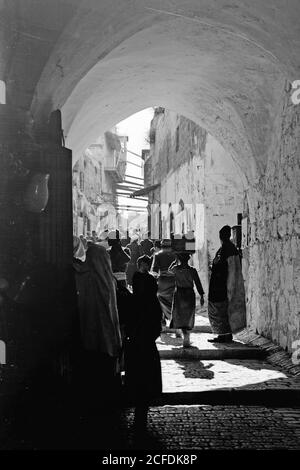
x=50 y=425
x=218 y=428
x=174 y=428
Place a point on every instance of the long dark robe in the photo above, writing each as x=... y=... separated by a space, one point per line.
x=135 y=252
x=100 y=338
x=96 y=287
x=226 y=297
x=146 y=245
x=166 y=280
x=184 y=302
x=119 y=261
x=142 y=362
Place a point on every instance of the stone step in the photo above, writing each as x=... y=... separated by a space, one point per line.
x=272 y=398
x=268 y=397
x=220 y=354
x=196 y=329
x=170 y=347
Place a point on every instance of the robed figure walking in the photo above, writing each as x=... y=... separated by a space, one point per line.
x=226 y=296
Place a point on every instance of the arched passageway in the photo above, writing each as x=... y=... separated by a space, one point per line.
x=229 y=78
x=227 y=66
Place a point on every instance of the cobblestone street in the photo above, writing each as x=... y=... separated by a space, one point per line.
x=207 y=404
x=221 y=428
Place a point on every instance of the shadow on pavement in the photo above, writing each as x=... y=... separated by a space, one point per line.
x=196 y=369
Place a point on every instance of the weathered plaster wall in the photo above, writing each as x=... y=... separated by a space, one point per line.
x=198 y=172
x=206 y=174
x=92 y=183
x=91 y=170
x=223 y=192
x=87 y=187
x=274 y=259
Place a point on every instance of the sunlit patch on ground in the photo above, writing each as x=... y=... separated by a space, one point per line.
x=179 y=376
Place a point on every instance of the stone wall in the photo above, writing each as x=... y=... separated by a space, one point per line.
x=196 y=171
x=274 y=251
x=223 y=192
x=91 y=169
x=207 y=175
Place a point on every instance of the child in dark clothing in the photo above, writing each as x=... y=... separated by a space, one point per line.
x=142 y=363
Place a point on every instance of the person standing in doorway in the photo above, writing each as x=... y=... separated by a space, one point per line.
x=226 y=297
x=183 y=309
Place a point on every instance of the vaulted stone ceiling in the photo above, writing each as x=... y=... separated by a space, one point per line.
x=223 y=63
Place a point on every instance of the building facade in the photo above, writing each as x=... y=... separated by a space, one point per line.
x=95 y=178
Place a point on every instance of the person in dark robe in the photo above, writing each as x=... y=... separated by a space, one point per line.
x=119 y=261
x=226 y=296
x=125 y=241
x=184 y=305
x=118 y=256
x=147 y=245
x=155 y=249
x=135 y=252
x=142 y=363
x=100 y=337
x=166 y=280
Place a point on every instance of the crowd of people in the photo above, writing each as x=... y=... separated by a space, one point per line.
x=129 y=291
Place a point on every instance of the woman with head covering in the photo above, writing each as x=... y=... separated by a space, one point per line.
x=79 y=248
x=103 y=239
x=183 y=309
x=166 y=281
x=226 y=296
x=83 y=240
x=98 y=318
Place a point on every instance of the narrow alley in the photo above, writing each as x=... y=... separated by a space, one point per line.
x=244 y=395
x=149 y=225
